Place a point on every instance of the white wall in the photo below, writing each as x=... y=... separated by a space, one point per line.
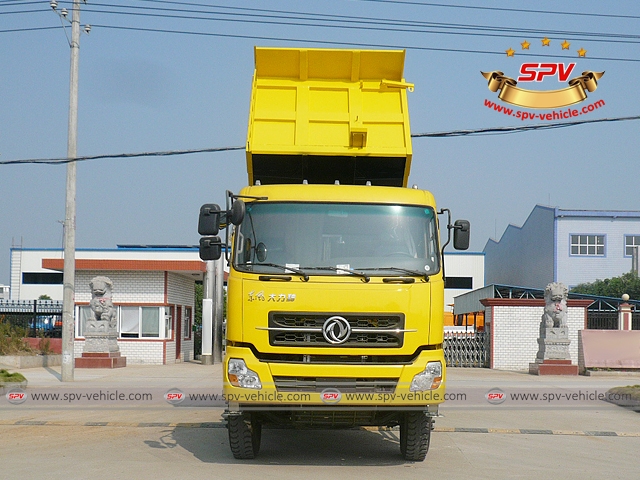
x=463 y=264
x=514 y=332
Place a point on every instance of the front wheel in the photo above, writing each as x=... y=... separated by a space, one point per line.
x=415 y=435
x=245 y=433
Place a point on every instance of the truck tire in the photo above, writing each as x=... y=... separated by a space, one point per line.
x=415 y=435
x=244 y=436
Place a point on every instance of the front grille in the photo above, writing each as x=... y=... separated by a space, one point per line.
x=305 y=330
x=317 y=384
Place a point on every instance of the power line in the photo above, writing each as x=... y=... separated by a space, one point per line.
x=500 y=9
x=453 y=133
x=521 y=128
x=376 y=24
x=283 y=17
x=61 y=161
x=348 y=44
x=29 y=29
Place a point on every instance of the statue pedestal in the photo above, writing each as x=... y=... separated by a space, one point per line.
x=553 y=367
x=101 y=360
x=553 y=353
x=100 y=347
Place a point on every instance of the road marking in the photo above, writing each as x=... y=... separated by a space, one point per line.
x=223 y=424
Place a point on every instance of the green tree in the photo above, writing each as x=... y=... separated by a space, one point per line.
x=197 y=316
x=44 y=297
x=628 y=283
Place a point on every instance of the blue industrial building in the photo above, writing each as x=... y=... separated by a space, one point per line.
x=568 y=246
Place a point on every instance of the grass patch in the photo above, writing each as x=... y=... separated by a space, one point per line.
x=7 y=378
x=628 y=396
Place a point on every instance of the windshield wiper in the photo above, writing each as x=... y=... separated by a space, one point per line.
x=414 y=273
x=356 y=273
x=286 y=269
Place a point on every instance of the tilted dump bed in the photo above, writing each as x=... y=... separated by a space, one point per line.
x=323 y=115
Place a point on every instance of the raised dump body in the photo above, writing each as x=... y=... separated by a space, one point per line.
x=327 y=115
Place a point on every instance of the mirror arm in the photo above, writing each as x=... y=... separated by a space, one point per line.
x=449 y=227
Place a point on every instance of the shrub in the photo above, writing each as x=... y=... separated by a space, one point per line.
x=11 y=340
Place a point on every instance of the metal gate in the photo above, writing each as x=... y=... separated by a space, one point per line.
x=466 y=349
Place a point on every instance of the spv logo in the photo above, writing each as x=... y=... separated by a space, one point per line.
x=536 y=72
x=330 y=395
x=495 y=396
x=16 y=396
x=174 y=396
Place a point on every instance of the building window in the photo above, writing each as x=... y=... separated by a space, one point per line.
x=188 y=323
x=588 y=245
x=168 y=322
x=630 y=241
x=134 y=321
x=42 y=278
x=459 y=282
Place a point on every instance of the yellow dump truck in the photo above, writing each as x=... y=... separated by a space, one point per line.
x=336 y=276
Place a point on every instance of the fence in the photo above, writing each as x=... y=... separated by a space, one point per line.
x=599 y=320
x=38 y=317
x=464 y=349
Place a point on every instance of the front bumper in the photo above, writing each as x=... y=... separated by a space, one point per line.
x=335 y=386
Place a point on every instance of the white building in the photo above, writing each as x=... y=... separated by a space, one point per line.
x=154 y=292
x=568 y=246
x=464 y=272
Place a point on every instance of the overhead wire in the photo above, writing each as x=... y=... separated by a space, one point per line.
x=452 y=133
x=283 y=17
x=498 y=9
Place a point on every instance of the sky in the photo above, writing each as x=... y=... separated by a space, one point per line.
x=160 y=75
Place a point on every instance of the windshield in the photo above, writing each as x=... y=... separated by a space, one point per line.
x=335 y=239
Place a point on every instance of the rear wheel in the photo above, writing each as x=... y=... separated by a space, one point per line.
x=245 y=433
x=415 y=435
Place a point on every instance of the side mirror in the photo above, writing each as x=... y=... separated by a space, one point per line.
x=236 y=214
x=209 y=219
x=461 y=234
x=261 y=252
x=210 y=248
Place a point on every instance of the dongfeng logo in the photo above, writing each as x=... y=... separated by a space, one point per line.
x=336 y=330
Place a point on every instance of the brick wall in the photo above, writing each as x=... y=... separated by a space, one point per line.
x=514 y=328
x=180 y=289
x=138 y=352
x=128 y=286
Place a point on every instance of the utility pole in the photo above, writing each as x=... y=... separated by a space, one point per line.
x=69 y=273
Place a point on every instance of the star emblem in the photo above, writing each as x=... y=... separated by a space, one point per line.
x=565 y=45
x=525 y=45
x=582 y=52
x=546 y=42
x=510 y=52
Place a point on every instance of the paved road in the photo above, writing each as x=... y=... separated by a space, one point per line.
x=585 y=439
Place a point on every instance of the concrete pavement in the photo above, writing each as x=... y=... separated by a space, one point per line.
x=474 y=438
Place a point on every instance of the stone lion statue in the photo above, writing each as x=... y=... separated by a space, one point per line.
x=555 y=308
x=101 y=303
